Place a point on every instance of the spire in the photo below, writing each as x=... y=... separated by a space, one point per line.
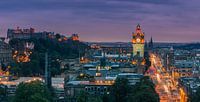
x=138 y=29
x=151 y=43
x=138 y=26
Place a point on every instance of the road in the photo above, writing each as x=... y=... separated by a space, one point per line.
x=166 y=87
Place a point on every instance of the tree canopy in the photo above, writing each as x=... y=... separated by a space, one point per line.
x=35 y=91
x=124 y=92
x=120 y=90
x=85 y=97
x=57 y=51
x=145 y=88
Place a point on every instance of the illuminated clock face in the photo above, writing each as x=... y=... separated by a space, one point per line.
x=138 y=39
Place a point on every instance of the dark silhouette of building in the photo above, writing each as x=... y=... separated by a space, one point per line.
x=26 y=34
x=151 y=44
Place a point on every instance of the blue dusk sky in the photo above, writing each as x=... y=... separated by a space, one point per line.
x=106 y=20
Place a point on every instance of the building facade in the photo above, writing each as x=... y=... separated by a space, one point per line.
x=138 y=42
x=26 y=34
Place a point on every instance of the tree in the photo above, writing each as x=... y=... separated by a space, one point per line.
x=35 y=91
x=143 y=96
x=56 y=49
x=120 y=89
x=94 y=99
x=38 y=98
x=145 y=88
x=82 y=97
x=86 y=97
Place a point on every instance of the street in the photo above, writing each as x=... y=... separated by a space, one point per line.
x=166 y=86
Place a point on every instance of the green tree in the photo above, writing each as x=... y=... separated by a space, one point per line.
x=82 y=97
x=94 y=99
x=145 y=88
x=85 y=97
x=143 y=96
x=120 y=89
x=35 y=91
x=123 y=92
x=56 y=49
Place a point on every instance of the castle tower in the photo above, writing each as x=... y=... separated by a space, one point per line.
x=138 y=42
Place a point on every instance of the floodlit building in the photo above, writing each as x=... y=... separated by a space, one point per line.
x=138 y=42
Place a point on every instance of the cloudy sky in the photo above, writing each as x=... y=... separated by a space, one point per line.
x=106 y=20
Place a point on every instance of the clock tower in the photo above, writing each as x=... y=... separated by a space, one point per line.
x=138 y=42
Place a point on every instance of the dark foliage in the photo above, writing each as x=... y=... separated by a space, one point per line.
x=56 y=51
x=35 y=91
x=123 y=92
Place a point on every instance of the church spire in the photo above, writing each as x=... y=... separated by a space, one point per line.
x=138 y=29
x=151 y=39
x=138 y=26
x=151 y=43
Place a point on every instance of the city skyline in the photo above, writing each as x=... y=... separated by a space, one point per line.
x=106 y=20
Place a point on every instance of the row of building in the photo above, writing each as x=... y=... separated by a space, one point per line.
x=184 y=66
x=96 y=71
x=103 y=63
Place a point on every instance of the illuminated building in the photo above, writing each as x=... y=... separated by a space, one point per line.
x=183 y=62
x=75 y=37
x=99 y=86
x=138 y=42
x=22 y=53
